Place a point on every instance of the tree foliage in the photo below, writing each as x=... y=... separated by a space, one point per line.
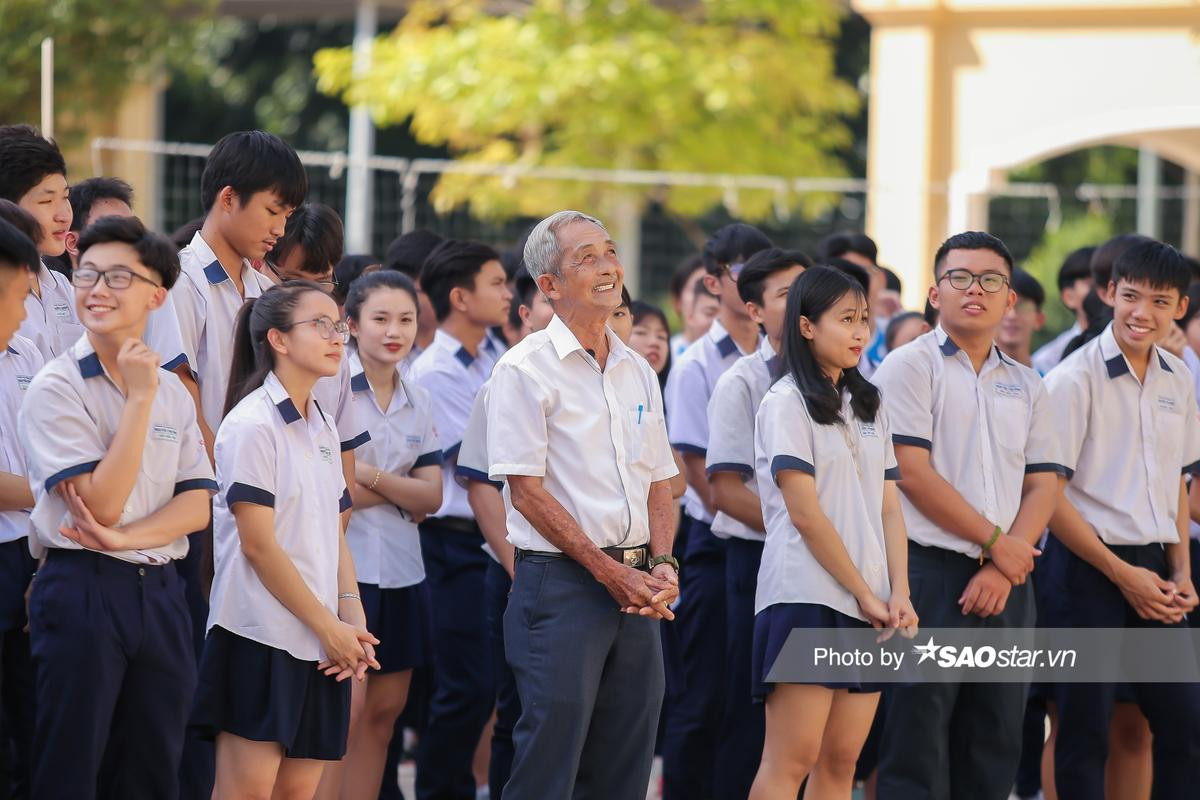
x=737 y=86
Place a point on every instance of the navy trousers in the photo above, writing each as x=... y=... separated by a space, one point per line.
x=198 y=766
x=591 y=684
x=464 y=682
x=115 y=677
x=944 y=741
x=689 y=744
x=508 y=702
x=739 y=748
x=1089 y=600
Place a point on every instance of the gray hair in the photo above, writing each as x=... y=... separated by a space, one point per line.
x=543 y=256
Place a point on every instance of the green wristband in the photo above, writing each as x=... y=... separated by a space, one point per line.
x=996 y=534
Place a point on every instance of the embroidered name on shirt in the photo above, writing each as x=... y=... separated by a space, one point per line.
x=413 y=441
x=326 y=454
x=164 y=433
x=1009 y=390
x=867 y=429
x=23 y=381
x=1167 y=404
x=62 y=311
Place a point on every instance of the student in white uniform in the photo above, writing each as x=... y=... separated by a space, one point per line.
x=285 y=613
x=118 y=469
x=763 y=286
x=974 y=436
x=19 y=362
x=1118 y=554
x=690 y=732
x=835 y=547
x=398 y=480
x=1074 y=280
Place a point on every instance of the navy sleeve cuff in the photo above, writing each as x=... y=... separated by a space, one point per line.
x=891 y=474
x=356 y=442
x=245 y=493
x=746 y=471
x=1192 y=469
x=70 y=472
x=451 y=452
x=1057 y=469
x=431 y=459
x=782 y=463
x=175 y=363
x=478 y=476
x=689 y=448
x=207 y=484
x=913 y=441
x=345 y=503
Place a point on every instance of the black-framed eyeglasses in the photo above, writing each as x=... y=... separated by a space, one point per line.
x=325 y=327
x=116 y=278
x=962 y=279
x=327 y=284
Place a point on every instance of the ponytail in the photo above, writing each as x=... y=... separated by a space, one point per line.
x=253 y=357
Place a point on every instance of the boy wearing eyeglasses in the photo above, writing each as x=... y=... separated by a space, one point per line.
x=119 y=477
x=975 y=442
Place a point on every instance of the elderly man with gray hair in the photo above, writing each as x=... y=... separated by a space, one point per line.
x=576 y=431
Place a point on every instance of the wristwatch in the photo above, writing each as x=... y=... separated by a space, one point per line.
x=665 y=559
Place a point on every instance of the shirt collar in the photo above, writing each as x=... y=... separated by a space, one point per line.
x=214 y=272
x=1115 y=361
x=86 y=358
x=359 y=382
x=721 y=339
x=565 y=343
x=949 y=348
x=456 y=348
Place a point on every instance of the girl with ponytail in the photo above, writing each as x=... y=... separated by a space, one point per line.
x=286 y=626
x=835 y=552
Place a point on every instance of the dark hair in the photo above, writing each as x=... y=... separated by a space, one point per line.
x=513 y=262
x=253 y=357
x=931 y=314
x=836 y=245
x=22 y=220
x=183 y=235
x=763 y=265
x=856 y=271
x=1193 y=295
x=524 y=290
x=1027 y=286
x=732 y=243
x=452 y=265
x=893 y=283
x=26 y=158
x=972 y=240
x=253 y=161
x=814 y=293
x=1194 y=266
x=317 y=229
x=17 y=250
x=626 y=298
x=408 y=252
x=362 y=289
x=1075 y=267
x=1106 y=255
x=154 y=250
x=896 y=323
x=1153 y=263
x=87 y=193
x=682 y=272
x=348 y=270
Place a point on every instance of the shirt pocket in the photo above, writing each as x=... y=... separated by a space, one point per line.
x=1010 y=424
x=640 y=428
x=160 y=456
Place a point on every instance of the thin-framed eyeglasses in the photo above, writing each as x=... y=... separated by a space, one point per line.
x=325 y=327
x=962 y=279
x=115 y=278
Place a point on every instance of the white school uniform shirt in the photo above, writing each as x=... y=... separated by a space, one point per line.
x=384 y=541
x=472 y=456
x=850 y=461
x=596 y=437
x=67 y=423
x=1047 y=357
x=453 y=377
x=268 y=454
x=207 y=304
x=984 y=432
x=336 y=398
x=731 y=413
x=1125 y=443
x=689 y=387
x=19 y=362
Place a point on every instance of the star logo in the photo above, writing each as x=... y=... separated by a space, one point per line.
x=926 y=651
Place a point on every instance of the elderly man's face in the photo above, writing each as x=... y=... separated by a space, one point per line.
x=592 y=275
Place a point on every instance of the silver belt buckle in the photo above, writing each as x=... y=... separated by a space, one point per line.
x=635 y=557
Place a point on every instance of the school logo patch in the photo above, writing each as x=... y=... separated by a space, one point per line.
x=413 y=442
x=23 y=381
x=868 y=430
x=164 y=433
x=1009 y=390
x=1166 y=403
x=62 y=311
x=326 y=453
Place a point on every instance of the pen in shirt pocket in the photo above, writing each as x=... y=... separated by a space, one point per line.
x=641 y=408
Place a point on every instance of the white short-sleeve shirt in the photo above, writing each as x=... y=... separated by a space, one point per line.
x=850 y=461
x=383 y=540
x=731 y=412
x=68 y=420
x=1048 y=356
x=453 y=377
x=336 y=398
x=984 y=432
x=689 y=387
x=268 y=454
x=472 y=456
x=19 y=362
x=207 y=304
x=596 y=437
x=1125 y=444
